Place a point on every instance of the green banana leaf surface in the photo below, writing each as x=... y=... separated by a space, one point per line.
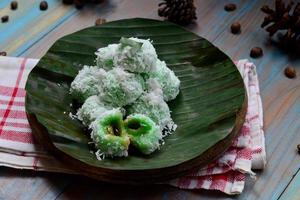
x=211 y=94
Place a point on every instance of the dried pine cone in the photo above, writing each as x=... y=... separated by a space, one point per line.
x=178 y=11
x=283 y=19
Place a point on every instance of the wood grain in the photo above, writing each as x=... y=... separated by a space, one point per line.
x=28 y=24
x=24 y=184
x=280 y=100
x=292 y=192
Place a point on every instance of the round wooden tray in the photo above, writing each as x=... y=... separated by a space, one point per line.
x=209 y=111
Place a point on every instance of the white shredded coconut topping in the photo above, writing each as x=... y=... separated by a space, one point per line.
x=129 y=79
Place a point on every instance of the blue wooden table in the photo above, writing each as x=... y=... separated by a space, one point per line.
x=30 y=32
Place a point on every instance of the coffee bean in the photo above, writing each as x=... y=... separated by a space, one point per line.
x=43 y=5
x=97 y=1
x=3 y=53
x=298 y=148
x=230 y=7
x=235 y=28
x=4 y=19
x=14 y=5
x=99 y=21
x=68 y=2
x=256 y=52
x=290 y=72
x=79 y=4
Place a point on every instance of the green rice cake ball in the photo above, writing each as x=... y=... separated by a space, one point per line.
x=87 y=82
x=121 y=88
x=144 y=134
x=136 y=55
x=109 y=135
x=167 y=79
x=92 y=109
x=153 y=87
x=152 y=105
x=105 y=56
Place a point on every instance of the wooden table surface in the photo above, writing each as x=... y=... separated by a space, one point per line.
x=30 y=32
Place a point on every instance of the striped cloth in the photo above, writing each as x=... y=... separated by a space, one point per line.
x=227 y=174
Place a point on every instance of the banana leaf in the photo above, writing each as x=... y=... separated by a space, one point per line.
x=209 y=110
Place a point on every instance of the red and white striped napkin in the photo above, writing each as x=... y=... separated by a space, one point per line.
x=227 y=174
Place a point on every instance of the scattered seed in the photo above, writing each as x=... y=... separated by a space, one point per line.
x=4 y=19
x=230 y=7
x=68 y=2
x=97 y=1
x=3 y=53
x=298 y=148
x=100 y=21
x=256 y=52
x=43 y=5
x=14 y=5
x=290 y=72
x=235 y=28
x=79 y=4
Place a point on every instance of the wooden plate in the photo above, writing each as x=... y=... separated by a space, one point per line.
x=209 y=110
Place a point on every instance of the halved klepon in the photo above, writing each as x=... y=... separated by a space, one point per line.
x=109 y=135
x=144 y=134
